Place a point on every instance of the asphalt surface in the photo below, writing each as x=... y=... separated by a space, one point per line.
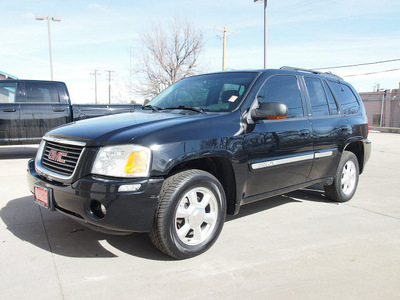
x=296 y=246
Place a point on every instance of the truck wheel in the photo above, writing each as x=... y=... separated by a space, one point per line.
x=190 y=214
x=345 y=183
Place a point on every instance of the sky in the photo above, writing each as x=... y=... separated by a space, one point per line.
x=105 y=35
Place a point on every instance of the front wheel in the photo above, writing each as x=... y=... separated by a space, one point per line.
x=346 y=180
x=190 y=214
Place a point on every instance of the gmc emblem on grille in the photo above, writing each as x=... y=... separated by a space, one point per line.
x=56 y=156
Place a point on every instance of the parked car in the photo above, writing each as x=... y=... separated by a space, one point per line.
x=30 y=108
x=200 y=150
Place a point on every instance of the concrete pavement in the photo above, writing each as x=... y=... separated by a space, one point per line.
x=296 y=246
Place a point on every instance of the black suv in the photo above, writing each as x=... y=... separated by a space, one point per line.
x=201 y=149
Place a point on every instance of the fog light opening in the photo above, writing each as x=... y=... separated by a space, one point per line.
x=97 y=209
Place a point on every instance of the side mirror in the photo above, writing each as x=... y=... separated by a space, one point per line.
x=270 y=111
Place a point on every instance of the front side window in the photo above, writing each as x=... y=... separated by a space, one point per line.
x=220 y=92
x=317 y=95
x=283 y=89
x=347 y=101
x=8 y=92
x=41 y=92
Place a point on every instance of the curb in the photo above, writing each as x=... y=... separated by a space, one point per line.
x=385 y=129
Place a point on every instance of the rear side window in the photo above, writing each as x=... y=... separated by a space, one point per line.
x=62 y=92
x=283 y=89
x=41 y=92
x=317 y=95
x=347 y=100
x=331 y=100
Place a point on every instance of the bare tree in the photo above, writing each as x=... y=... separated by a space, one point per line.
x=168 y=55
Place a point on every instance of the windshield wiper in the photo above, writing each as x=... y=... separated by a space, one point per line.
x=192 y=108
x=152 y=107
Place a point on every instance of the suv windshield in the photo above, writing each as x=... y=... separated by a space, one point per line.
x=220 y=92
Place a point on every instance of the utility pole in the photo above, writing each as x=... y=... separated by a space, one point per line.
x=130 y=73
x=109 y=85
x=224 y=30
x=95 y=84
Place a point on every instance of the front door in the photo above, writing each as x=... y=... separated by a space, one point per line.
x=280 y=152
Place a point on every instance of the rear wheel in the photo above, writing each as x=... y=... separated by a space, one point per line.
x=346 y=180
x=190 y=214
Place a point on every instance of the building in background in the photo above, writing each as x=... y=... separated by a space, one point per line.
x=383 y=107
x=6 y=76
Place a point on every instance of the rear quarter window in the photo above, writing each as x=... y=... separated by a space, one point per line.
x=347 y=100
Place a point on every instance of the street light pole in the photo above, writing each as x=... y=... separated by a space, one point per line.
x=56 y=19
x=265 y=29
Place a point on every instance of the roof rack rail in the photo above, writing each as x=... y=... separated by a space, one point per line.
x=328 y=74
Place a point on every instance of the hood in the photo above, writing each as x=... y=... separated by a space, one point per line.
x=121 y=128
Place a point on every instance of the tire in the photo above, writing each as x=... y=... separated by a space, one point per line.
x=190 y=214
x=346 y=179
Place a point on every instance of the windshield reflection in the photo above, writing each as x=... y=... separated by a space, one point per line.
x=221 y=92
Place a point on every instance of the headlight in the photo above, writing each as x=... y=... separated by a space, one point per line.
x=122 y=161
x=40 y=151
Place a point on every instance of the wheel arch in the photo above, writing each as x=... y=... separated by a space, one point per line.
x=357 y=147
x=218 y=166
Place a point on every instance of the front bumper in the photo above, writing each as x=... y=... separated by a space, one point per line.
x=126 y=212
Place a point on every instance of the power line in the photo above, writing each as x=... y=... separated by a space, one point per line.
x=357 y=65
x=370 y=73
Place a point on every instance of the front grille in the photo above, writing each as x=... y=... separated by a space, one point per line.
x=61 y=158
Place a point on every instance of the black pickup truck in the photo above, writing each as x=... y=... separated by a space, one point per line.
x=29 y=108
x=201 y=149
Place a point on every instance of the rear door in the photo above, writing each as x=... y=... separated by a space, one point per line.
x=280 y=152
x=330 y=128
x=42 y=109
x=10 y=129
x=330 y=125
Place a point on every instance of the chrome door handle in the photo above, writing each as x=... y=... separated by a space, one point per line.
x=305 y=132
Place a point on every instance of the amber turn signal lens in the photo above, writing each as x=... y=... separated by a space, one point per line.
x=137 y=163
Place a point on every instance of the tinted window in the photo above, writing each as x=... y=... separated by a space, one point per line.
x=331 y=100
x=317 y=95
x=283 y=89
x=62 y=92
x=347 y=101
x=8 y=92
x=41 y=92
